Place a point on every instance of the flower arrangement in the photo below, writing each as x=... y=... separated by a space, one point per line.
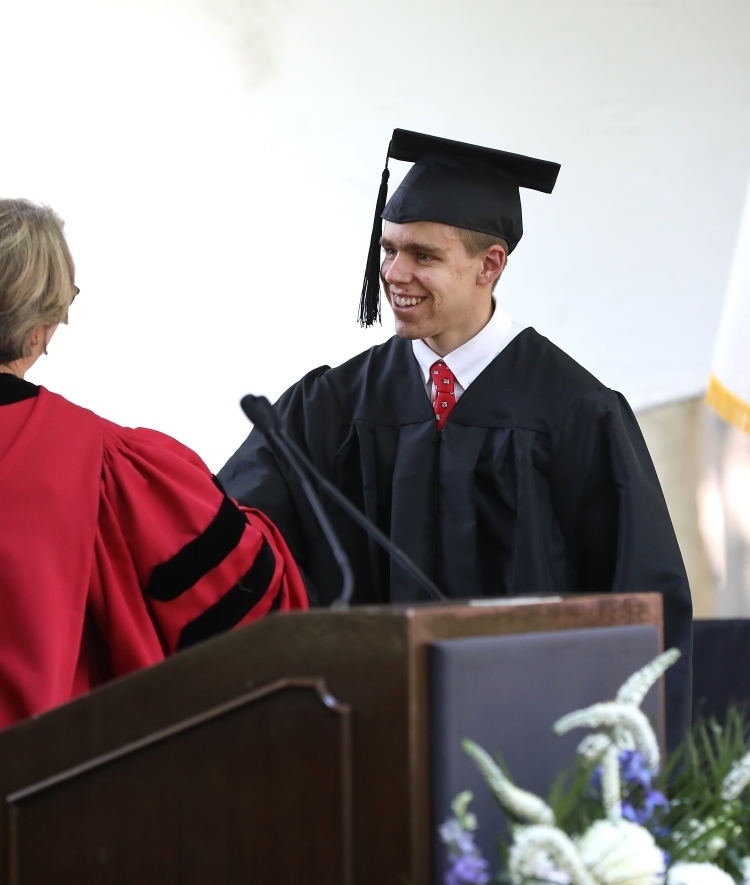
x=621 y=818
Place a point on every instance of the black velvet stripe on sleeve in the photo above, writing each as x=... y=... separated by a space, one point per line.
x=236 y=603
x=172 y=578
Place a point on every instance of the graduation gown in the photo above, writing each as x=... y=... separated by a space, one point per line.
x=116 y=549
x=540 y=483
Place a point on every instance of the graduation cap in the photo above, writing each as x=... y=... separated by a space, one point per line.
x=463 y=185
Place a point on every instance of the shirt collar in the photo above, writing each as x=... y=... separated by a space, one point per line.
x=470 y=359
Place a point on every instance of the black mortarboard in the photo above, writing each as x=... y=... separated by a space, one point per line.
x=463 y=185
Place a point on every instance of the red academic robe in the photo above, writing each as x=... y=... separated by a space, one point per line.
x=117 y=548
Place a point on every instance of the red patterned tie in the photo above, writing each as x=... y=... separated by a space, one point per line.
x=445 y=391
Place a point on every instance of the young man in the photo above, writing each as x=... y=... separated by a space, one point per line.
x=500 y=465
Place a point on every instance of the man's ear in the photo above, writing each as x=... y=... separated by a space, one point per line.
x=493 y=264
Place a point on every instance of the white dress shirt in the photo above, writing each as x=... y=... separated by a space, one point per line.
x=470 y=359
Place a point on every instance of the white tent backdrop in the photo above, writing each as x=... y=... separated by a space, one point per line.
x=217 y=163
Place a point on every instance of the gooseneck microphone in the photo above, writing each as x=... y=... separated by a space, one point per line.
x=260 y=411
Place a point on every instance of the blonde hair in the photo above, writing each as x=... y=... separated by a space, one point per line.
x=475 y=242
x=36 y=274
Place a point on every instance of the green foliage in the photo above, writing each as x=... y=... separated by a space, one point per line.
x=503 y=850
x=574 y=800
x=700 y=825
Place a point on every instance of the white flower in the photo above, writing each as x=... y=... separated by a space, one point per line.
x=635 y=689
x=529 y=842
x=738 y=778
x=697 y=874
x=536 y=868
x=611 y=784
x=621 y=719
x=519 y=802
x=746 y=868
x=621 y=853
x=628 y=728
x=594 y=746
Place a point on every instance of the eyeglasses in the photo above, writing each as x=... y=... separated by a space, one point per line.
x=77 y=290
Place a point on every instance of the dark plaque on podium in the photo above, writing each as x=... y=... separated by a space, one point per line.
x=505 y=693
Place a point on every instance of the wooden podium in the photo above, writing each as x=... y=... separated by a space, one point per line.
x=295 y=750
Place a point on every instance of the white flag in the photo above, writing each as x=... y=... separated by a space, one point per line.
x=729 y=383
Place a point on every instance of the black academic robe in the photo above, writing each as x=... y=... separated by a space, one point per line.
x=540 y=483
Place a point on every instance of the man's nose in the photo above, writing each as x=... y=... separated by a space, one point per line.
x=397 y=271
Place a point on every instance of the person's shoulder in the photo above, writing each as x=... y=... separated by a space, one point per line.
x=533 y=383
x=145 y=448
x=545 y=361
x=571 y=389
x=65 y=413
x=378 y=359
x=354 y=376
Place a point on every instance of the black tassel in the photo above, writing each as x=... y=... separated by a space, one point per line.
x=369 y=302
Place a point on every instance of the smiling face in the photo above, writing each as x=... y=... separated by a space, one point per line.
x=437 y=291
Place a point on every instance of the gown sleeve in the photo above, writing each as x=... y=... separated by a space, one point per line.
x=176 y=560
x=617 y=527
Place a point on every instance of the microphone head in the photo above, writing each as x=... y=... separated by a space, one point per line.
x=260 y=412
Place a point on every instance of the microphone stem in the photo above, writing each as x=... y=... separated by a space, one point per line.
x=408 y=565
x=338 y=552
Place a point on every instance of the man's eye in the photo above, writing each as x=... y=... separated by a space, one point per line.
x=423 y=256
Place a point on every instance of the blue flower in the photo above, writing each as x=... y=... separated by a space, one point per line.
x=655 y=799
x=634 y=769
x=640 y=802
x=466 y=866
x=652 y=800
x=458 y=840
x=469 y=869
